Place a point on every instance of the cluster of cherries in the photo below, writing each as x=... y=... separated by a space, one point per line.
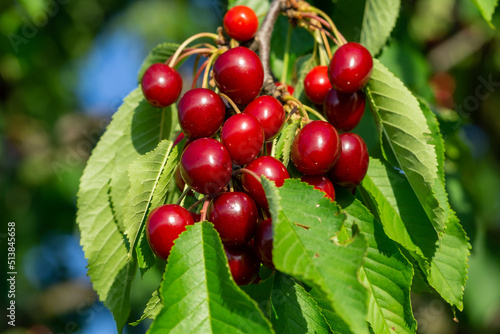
x=225 y=153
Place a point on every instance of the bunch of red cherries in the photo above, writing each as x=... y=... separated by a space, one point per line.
x=226 y=151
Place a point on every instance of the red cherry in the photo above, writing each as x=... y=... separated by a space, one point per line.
x=317 y=84
x=241 y=23
x=263 y=242
x=316 y=148
x=352 y=165
x=321 y=183
x=271 y=168
x=243 y=263
x=344 y=110
x=243 y=136
x=289 y=88
x=269 y=111
x=239 y=74
x=164 y=225
x=201 y=113
x=350 y=68
x=206 y=166
x=234 y=216
x=161 y=85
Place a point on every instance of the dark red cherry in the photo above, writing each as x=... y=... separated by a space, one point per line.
x=206 y=166
x=201 y=113
x=344 y=110
x=271 y=168
x=316 y=148
x=289 y=88
x=321 y=183
x=234 y=216
x=350 y=68
x=161 y=85
x=317 y=84
x=263 y=242
x=269 y=111
x=239 y=74
x=241 y=23
x=243 y=263
x=164 y=225
x=243 y=136
x=352 y=165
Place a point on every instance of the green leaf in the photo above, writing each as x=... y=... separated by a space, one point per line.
x=153 y=307
x=303 y=66
x=378 y=21
x=285 y=140
x=487 y=9
x=158 y=55
x=404 y=130
x=334 y=321
x=260 y=7
x=305 y=229
x=150 y=177
x=198 y=293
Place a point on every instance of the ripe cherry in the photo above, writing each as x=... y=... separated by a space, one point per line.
x=201 y=113
x=269 y=111
x=243 y=136
x=234 y=215
x=271 y=168
x=239 y=74
x=263 y=242
x=317 y=84
x=161 y=85
x=241 y=23
x=243 y=263
x=164 y=225
x=344 y=110
x=350 y=68
x=352 y=165
x=321 y=183
x=316 y=148
x=206 y=166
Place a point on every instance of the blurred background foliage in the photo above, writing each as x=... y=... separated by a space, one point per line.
x=65 y=65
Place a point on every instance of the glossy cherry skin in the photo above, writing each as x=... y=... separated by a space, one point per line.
x=164 y=225
x=241 y=23
x=317 y=84
x=243 y=263
x=269 y=111
x=352 y=165
x=315 y=148
x=350 y=68
x=321 y=183
x=201 y=113
x=263 y=242
x=234 y=215
x=271 y=168
x=289 y=88
x=344 y=110
x=239 y=74
x=161 y=85
x=206 y=166
x=243 y=136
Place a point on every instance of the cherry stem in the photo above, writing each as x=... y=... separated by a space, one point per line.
x=299 y=105
x=333 y=27
x=235 y=107
x=203 y=211
x=195 y=204
x=247 y=171
x=193 y=52
x=187 y=189
x=211 y=60
x=198 y=73
x=286 y=55
x=327 y=45
x=263 y=37
x=314 y=112
x=177 y=53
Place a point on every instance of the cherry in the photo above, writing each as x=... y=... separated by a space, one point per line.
x=243 y=136
x=234 y=216
x=269 y=111
x=352 y=165
x=317 y=84
x=161 y=85
x=271 y=168
x=201 y=113
x=321 y=183
x=241 y=23
x=164 y=225
x=239 y=74
x=263 y=242
x=243 y=263
x=350 y=68
x=344 y=110
x=206 y=166
x=289 y=88
x=316 y=148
